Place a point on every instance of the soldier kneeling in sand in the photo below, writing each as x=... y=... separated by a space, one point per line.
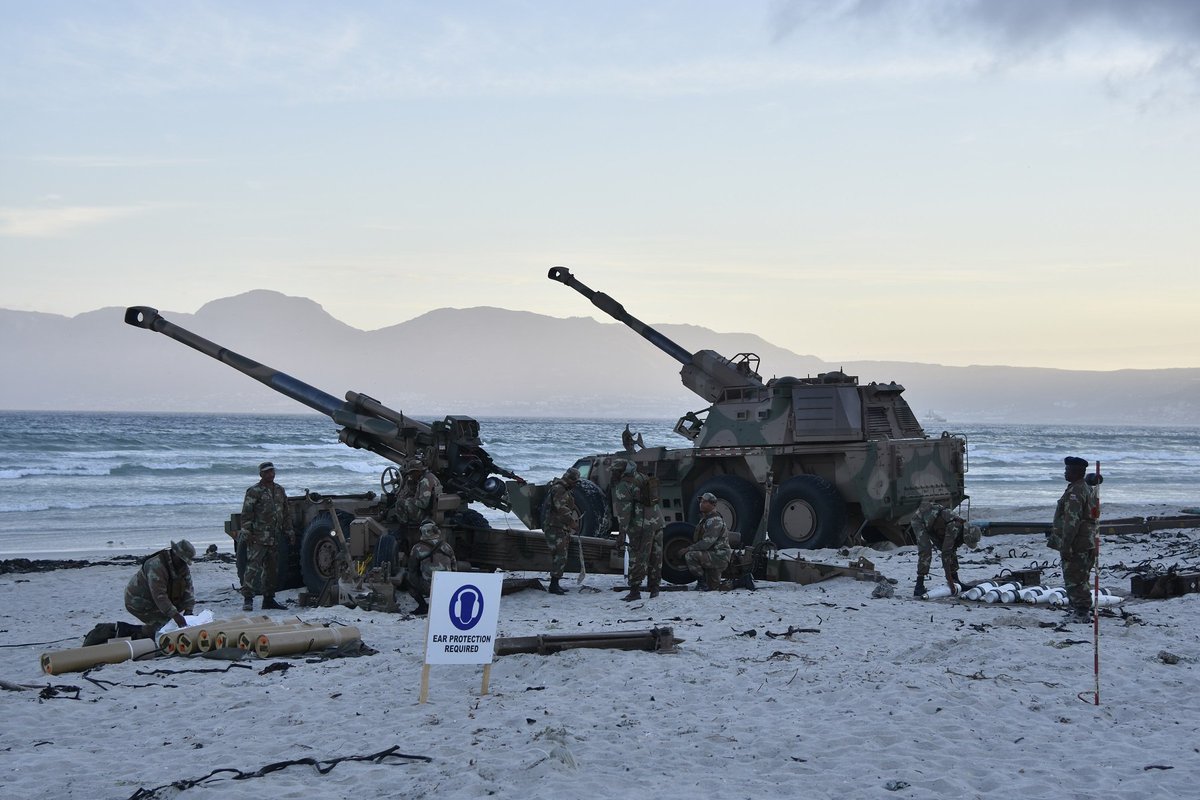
x=159 y=591
x=429 y=555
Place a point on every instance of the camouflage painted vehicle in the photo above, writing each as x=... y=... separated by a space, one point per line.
x=450 y=448
x=801 y=462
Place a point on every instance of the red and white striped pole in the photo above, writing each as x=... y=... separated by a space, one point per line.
x=1096 y=583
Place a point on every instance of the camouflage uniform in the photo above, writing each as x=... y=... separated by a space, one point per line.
x=652 y=532
x=432 y=553
x=628 y=511
x=935 y=525
x=265 y=522
x=708 y=557
x=561 y=522
x=160 y=589
x=1073 y=535
x=418 y=500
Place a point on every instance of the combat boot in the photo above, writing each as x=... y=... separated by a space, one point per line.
x=100 y=634
x=653 y=589
x=919 y=590
x=269 y=603
x=1083 y=615
x=422 y=607
x=555 y=588
x=128 y=631
x=635 y=593
x=248 y=602
x=701 y=586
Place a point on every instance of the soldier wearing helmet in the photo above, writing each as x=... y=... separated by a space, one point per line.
x=432 y=553
x=560 y=521
x=933 y=524
x=161 y=589
x=418 y=498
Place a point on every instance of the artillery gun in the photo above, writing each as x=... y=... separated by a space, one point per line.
x=451 y=448
x=804 y=462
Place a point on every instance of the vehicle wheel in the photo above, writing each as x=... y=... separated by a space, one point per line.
x=594 y=517
x=677 y=538
x=739 y=502
x=806 y=512
x=319 y=551
x=385 y=550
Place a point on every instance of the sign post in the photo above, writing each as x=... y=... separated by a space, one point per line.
x=464 y=608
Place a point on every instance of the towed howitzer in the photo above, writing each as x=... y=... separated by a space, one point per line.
x=449 y=447
x=808 y=462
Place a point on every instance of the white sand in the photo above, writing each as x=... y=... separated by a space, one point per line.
x=941 y=698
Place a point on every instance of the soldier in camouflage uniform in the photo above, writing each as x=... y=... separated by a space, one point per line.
x=418 y=498
x=561 y=523
x=265 y=522
x=629 y=513
x=936 y=525
x=1073 y=535
x=432 y=553
x=709 y=554
x=161 y=590
x=652 y=531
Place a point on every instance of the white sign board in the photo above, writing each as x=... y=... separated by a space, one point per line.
x=463 y=610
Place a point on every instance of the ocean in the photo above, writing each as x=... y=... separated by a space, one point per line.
x=78 y=485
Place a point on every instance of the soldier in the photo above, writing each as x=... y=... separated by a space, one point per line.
x=560 y=523
x=709 y=554
x=432 y=553
x=418 y=498
x=1073 y=535
x=652 y=530
x=935 y=524
x=630 y=515
x=161 y=589
x=265 y=521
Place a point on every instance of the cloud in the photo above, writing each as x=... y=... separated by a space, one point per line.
x=36 y=223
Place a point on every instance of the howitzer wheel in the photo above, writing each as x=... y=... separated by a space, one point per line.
x=807 y=513
x=319 y=551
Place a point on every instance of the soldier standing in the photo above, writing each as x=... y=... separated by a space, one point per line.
x=1073 y=535
x=629 y=513
x=162 y=589
x=936 y=525
x=432 y=553
x=560 y=523
x=652 y=530
x=418 y=499
x=265 y=521
x=709 y=554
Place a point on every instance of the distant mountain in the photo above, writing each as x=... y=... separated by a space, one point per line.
x=494 y=362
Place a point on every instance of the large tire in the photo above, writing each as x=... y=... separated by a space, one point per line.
x=807 y=513
x=594 y=516
x=471 y=519
x=739 y=502
x=677 y=538
x=319 y=551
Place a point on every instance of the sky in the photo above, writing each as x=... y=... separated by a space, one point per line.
x=946 y=181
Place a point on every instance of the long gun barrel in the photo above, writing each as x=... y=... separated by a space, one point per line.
x=366 y=423
x=705 y=372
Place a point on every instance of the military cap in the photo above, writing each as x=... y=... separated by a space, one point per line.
x=184 y=550
x=1075 y=461
x=571 y=475
x=708 y=497
x=972 y=535
x=618 y=466
x=266 y=466
x=414 y=465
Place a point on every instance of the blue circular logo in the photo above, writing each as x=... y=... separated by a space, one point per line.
x=466 y=607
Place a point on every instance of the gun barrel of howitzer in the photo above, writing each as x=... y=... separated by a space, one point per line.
x=301 y=392
x=371 y=406
x=617 y=311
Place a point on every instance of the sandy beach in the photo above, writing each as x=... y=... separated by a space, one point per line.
x=889 y=698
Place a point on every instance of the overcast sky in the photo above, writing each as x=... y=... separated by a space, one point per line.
x=954 y=182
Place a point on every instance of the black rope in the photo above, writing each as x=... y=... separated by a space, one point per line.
x=322 y=767
x=39 y=644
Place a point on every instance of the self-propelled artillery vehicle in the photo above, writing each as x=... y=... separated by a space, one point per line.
x=802 y=462
x=366 y=533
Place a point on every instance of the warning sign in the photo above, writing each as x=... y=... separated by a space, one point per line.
x=463 y=610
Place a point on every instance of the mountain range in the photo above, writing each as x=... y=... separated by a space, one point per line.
x=495 y=362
